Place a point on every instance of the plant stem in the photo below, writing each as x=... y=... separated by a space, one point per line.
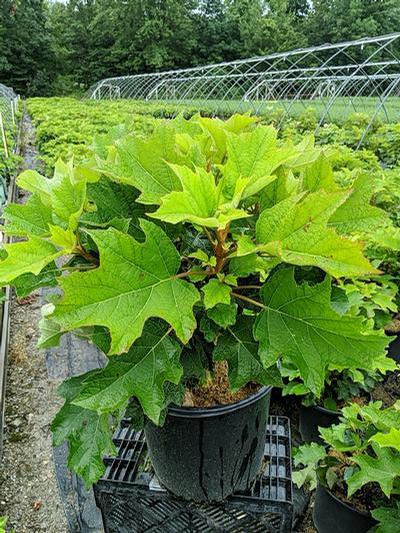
x=248 y=300
x=248 y=287
x=209 y=237
x=220 y=248
x=193 y=273
x=86 y=255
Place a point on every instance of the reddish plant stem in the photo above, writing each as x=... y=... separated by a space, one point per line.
x=220 y=252
x=86 y=255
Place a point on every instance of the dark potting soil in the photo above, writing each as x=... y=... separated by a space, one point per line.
x=367 y=498
x=388 y=390
x=393 y=327
x=216 y=391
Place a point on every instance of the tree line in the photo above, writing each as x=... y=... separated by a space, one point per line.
x=53 y=47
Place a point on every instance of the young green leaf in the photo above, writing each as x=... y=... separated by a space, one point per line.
x=254 y=156
x=383 y=469
x=391 y=439
x=223 y=314
x=31 y=218
x=215 y=293
x=143 y=164
x=295 y=230
x=198 y=202
x=319 y=175
x=27 y=256
x=309 y=456
x=356 y=214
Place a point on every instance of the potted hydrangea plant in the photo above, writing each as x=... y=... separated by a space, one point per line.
x=357 y=474
x=186 y=258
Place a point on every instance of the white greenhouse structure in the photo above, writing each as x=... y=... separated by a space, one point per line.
x=333 y=79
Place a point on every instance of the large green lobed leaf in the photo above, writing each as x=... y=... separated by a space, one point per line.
x=299 y=323
x=135 y=281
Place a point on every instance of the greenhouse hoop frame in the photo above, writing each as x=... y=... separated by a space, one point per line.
x=362 y=75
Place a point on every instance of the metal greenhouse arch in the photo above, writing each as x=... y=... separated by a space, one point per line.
x=360 y=75
x=8 y=109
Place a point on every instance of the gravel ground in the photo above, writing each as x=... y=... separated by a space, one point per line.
x=29 y=493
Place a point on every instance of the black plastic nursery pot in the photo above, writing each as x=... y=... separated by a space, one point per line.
x=311 y=418
x=394 y=347
x=331 y=515
x=206 y=454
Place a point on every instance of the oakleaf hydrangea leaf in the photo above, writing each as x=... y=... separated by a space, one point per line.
x=383 y=469
x=319 y=175
x=356 y=214
x=142 y=372
x=88 y=433
x=238 y=347
x=198 y=202
x=295 y=230
x=308 y=455
x=298 y=322
x=215 y=293
x=144 y=164
x=388 y=518
x=253 y=155
x=64 y=194
x=89 y=440
x=27 y=256
x=391 y=439
x=223 y=314
x=31 y=218
x=27 y=283
x=135 y=281
x=114 y=201
x=50 y=331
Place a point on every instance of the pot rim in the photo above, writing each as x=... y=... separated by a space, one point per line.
x=323 y=409
x=217 y=410
x=350 y=507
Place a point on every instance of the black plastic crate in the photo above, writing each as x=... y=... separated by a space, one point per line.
x=132 y=501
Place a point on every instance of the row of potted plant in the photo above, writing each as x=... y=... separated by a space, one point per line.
x=209 y=261
x=356 y=470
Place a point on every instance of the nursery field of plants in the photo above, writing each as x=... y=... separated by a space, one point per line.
x=230 y=267
x=200 y=266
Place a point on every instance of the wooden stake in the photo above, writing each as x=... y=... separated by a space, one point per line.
x=3 y=136
x=12 y=103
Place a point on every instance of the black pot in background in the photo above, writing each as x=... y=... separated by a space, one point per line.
x=331 y=515
x=311 y=418
x=394 y=347
x=207 y=454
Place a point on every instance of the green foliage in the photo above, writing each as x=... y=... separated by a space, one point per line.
x=388 y=518
x=315 y=332
x=204 y=241
x=363 y=449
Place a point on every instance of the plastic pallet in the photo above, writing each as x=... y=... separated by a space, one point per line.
x=132 y=501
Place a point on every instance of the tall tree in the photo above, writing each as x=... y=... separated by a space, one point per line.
x=339 y=20
x=26 y=56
